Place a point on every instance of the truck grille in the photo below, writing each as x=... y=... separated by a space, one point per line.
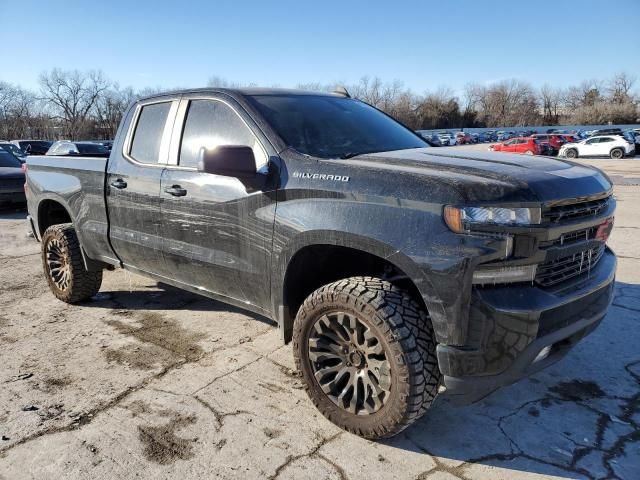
x=576 y=236
x=563 y=268
x=576 y=210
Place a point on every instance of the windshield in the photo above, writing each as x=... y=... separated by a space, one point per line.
x=8 y=160
x=333 y=127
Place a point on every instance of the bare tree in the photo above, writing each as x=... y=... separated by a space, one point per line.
x=506 y=103
x=551 y=101
x=439 y=109
x=619 y=88
x=109 y=109
x=72 y=96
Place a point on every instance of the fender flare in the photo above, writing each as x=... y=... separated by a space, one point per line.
x=90 y=264
x=397 y=258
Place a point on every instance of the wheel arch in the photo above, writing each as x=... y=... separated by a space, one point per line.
x=347 y=255
x=55 y=211
x=51 y=211
x=617 y=148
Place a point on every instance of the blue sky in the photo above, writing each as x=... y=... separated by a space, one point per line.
x=425 y=44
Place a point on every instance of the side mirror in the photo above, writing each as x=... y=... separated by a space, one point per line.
x=228 y=160
x=235 y=161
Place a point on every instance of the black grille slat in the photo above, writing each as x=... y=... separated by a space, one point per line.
x=577 y=236
x=561 y=269
x=575 y=210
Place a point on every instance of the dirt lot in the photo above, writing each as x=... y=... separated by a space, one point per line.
x=145 y=381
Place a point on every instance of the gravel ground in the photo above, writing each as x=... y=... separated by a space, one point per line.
x=148 y=381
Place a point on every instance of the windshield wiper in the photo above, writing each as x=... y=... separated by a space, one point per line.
x=354 y=154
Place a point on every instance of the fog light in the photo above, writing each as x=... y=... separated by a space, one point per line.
x=495 y=275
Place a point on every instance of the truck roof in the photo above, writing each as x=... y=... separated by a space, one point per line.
x=248 y=91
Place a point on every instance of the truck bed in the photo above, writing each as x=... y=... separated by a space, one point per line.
x=78 y=183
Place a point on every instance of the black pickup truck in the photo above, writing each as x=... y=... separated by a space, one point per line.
x=399 y=271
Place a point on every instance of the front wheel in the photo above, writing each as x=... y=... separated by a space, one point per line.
x=571 y=153
x=617 y=153
x=528 y=152
x=63 y=265
x=366 y=351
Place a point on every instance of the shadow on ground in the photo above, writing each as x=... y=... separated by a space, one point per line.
x=579 y=418
x=160 y=296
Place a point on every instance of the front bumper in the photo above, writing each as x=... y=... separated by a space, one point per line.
x=518 y=330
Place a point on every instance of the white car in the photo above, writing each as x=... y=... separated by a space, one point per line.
x=613 y=146
x=446 y=139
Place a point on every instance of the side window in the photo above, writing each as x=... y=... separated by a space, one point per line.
x=211 y=123
x=147 y=137
x=592 y=141
x=605 y=140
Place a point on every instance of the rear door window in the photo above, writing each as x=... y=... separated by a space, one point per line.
x=145 y=147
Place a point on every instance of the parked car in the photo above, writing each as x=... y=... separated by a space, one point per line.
x=475 y=138
x=491 y=135
x=504 y=135
x=360 y=264
x=463 y=138
x=65 y=148
x=526 y=145
x=108 y=144
x=554 y=140
x=33 y=147
x=483 y=137
x=633 y=137
x=614 y=146
x=431 y=138
x=447 y=139
x=13 y=149
x=570 y=137
x=607 y=131
x=11 y=179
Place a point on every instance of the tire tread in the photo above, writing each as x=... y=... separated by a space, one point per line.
x=402 y=321
x=84 y=284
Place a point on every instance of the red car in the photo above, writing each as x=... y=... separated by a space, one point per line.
x=555 y=140
x=529 y=146
x=570 y=138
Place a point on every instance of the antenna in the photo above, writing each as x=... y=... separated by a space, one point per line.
x=340 y=90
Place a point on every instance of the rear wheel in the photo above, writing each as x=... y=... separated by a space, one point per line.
x=617 y=153
x=64 y=267
x=528 y=152
x=366 y=351
x=571 y=153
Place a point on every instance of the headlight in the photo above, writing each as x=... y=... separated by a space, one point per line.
x=457 y=217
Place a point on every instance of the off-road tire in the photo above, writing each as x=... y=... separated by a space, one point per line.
x=571 y=153
x=80 y=284
x=616 y=153
x=402 y=327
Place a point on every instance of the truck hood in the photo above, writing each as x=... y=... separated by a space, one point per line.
x=488 y=176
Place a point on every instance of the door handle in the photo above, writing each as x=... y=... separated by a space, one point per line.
x=119 y=183
x=176 y=191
